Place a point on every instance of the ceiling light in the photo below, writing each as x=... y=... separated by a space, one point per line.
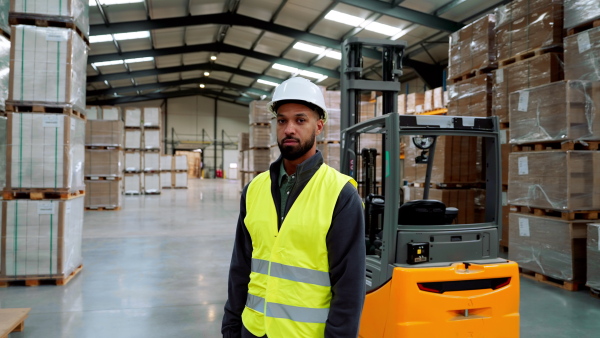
x=114 y=2
x=334 y=55
x=309 y=48
x=145 y=59
x=108 y=63
x=132 y=35
x=206 y=73
x=344 y=18
x=100 y=38
x=313 y=75
x=269 y=83
x=213 y=57
x=289 y=69
x=202 y=86
x=382 y=29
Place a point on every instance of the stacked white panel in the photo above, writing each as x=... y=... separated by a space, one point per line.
x=133 y=139
x=151 y=161
x=133 y=117
x=133 y=161
x=152 y=183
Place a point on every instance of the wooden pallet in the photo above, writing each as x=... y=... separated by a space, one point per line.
x=152 y=150
x=595 y=293
x=179 y=187
x=45 y=21
x=12 y=320
x=583 y=27
x=564 y=215
x=40 y=194
x=328 y=142
x=565 y=285
x=530 y=54
x=132 y=171
x=261 y=124
x=132 y=193
x=151 y=171
x=503 y=248
x=471 y=74
x=179 y=171
x=504 y=125
x=16 y=107
x=102 y=208
x=151 y=127
x=104 y=147
x=37 y=281
x=557 y=145
x=151 y=193
x=133 y=150
x=103 y=178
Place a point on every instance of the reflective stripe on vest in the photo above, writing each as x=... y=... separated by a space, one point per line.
x=289 y=292
x=293 y=273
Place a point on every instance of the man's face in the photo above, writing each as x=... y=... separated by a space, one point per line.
x=297 y=128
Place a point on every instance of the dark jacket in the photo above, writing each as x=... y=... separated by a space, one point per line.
x=346 y=250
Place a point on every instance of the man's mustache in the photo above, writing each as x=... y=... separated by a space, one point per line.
x=289 y=138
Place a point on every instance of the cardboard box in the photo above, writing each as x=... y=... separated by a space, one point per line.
x=558 y=111
x=438 y=98
x=259 y=113
x=333 y=99
x=331 y=129
x=331 y=154
x=133 y=139
x=260 y=136
x=549 y=246
x=274 y=153
x=521 y=75
x=111 y=113
x=559 y=180
x=180 y=180
x=505 y=149
x=133 y=183
x=45 y=151
x=504 y=240
x=402 y=104
x=103 y=163
x=582 y=55
x=593 y=256
x=469 y=202
x=412 y=101
x=181 y=162
x=48 y=67
x=133 y=161
x=3 y=141
x=103 y=194
x=4 y=10
x=473 y=47
x=166 y=162
x=151 y=161
x=471 y=97
x=455 y=161
x=579 y=12
x=152 y=139
x=104 y=133
x=243 y=141
x=93 y=113
x=4 y=70
x=152 y=117
x=528 y=25
x=41 y=238
x=259 y=159
x=76 y=11
x=166 y=179
x=152 y=183
x=133 y=117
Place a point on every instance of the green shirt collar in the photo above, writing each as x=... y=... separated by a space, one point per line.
x=283 y=174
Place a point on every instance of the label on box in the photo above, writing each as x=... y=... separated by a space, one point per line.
x=503 y=136
x=583 y=42
x=504 y=199
x=50 y=121
x=524 y=227
x=523 y=166
x=500 y=76
x=57 y=34
x=45 y=208
x=523 y=101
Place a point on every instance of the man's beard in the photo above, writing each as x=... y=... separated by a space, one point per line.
x=292 y=153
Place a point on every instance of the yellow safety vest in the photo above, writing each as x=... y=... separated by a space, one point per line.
x=289 y=290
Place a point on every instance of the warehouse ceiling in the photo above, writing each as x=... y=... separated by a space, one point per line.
x=238 y=50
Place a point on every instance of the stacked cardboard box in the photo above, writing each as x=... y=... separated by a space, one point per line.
x=471 y=97
x=166 y=168
x=473 y=48
x=582 y=52
x=4 y=69
x=134 y=156
x=180 y=171
x=470 y=202
x=243 y=153
x=259 y=142
x=593 y=256
x=3 y=140
x=414 y=103
x=45 y=150
x=581 y=12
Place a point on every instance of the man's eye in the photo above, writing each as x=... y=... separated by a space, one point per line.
x=301 y=120
x=280 y=121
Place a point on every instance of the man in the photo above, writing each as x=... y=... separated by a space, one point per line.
x=298 y=263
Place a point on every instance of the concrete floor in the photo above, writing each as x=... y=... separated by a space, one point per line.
x=158 y=268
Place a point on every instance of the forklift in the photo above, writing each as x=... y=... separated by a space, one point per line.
x=427 y=274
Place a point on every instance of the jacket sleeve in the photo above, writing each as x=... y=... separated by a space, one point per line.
x=347 y=254
x=239 y=277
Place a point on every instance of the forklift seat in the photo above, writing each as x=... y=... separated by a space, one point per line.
x=424 y=212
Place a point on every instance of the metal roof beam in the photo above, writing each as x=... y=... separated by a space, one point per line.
x=222 y=19
x=158 y=85
x=181 y=93
x=406 y=14
x=212 y=47
x=180 y=69
x=448 y=7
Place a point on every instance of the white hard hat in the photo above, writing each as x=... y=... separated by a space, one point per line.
x=298 y=89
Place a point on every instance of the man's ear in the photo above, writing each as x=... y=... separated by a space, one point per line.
x=320 y=125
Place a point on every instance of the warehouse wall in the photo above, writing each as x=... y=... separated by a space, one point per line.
x=189 y=115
